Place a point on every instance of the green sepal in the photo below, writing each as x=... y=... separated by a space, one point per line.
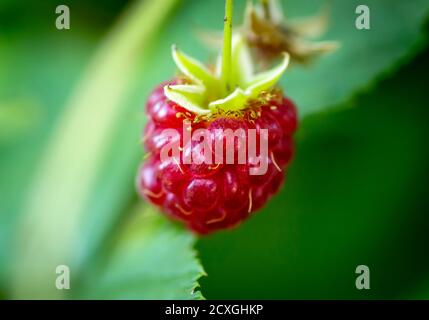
x=206 y=89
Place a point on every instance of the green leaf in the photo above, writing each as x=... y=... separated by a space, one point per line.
x=33 y=89
x=151 y=259
x=363 y=56
x=356 y=193
x=419 y=292
x=17 y=118
x=75 y=152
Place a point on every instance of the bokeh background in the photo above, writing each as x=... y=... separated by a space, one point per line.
x=71 y=114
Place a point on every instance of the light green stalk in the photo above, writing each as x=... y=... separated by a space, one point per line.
x=227 y=47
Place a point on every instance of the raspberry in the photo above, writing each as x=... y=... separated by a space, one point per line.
x=243 y=146
x=212 y=197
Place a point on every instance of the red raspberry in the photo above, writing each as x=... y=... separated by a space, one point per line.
x=211 y=197
x=246 y=127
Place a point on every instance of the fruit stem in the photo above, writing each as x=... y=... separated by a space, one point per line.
x=227 y=47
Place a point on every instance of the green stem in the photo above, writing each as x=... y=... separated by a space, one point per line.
x=227 y=44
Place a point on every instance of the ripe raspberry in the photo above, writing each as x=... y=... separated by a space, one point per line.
x=209 y=196
x=212 y=197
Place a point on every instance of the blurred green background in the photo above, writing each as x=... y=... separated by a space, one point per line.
x=71 y=113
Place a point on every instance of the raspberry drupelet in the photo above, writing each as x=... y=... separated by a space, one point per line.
x=210 y=196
